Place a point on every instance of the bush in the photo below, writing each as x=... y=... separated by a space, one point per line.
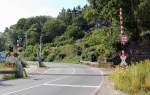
x=50 y=57
x=101 y=59
x=134 y=80
x=78 y=50
x=90 y=54
x=60 y=56
x=9 y=76
x=31 y=58
x=71 y=59
x=24 y=64
x=74 y=32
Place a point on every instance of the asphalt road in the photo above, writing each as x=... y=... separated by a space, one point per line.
x=59 y=79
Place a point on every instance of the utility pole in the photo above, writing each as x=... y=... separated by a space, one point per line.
x=26 y=43
x=40 y=52
x=41 y=45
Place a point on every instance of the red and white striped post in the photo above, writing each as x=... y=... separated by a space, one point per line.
x=121 y=22
x=124 y=40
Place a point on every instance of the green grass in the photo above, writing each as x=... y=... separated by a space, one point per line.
x=2 y=66
x=9 y=76
x=135 y=80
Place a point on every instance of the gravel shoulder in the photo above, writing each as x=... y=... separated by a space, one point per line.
x=107 y=86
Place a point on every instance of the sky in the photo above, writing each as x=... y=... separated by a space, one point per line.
x=12 y=10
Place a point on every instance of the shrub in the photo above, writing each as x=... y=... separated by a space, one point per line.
x=90 y=54
x=46 y=52
x=71 y=59
x=74 y=32
x=51 y=57
x=24 y=64
x=61 y=55
x=9 y=76
x=31 y=58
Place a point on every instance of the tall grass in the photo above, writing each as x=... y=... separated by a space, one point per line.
x=135 y=80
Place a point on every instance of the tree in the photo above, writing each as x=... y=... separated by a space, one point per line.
x=74 y=32
x=2 y=42
x=143 y=15
x=66 y=16
x=109 y=9
x=33 y=34
x=52 y=29
x=80 y=22
x=89 y=14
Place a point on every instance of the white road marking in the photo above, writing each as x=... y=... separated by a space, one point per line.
x=73 y=71
x=64 y=85
x=100 y=85
x=33 y=86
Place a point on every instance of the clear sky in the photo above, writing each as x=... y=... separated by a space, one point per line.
x=12 y=10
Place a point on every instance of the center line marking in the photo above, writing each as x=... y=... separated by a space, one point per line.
x=64 y=85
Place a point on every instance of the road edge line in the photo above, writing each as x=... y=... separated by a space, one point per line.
x=73 y=71
x=100 y=85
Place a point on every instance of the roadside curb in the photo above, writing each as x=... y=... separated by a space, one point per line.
x=106 y=87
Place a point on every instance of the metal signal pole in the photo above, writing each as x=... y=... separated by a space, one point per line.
x=41 y=45
x=40 y=52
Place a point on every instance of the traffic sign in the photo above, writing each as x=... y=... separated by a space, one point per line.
x=2 y=57
x=123 y=57
x=124 y=39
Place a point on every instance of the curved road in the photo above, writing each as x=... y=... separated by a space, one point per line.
x=59 y=79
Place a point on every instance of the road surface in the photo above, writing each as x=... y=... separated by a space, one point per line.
x=59 y=79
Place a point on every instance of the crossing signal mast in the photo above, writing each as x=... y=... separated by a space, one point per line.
x=123 y=40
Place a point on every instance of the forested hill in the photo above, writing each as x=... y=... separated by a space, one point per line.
x=88 y=33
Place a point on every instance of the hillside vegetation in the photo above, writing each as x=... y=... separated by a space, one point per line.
x=89 y=33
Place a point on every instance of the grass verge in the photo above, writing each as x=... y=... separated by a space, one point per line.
x=135 y=80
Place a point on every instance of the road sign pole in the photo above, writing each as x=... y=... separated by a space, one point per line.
x=123 y=40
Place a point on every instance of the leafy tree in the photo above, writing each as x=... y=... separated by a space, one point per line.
x=52 y=29
x=74 y=32
x=143 y=15
x=80 y=22
x=66 y=16
x=89 y=14
x=33 y=35
x=2 y=42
